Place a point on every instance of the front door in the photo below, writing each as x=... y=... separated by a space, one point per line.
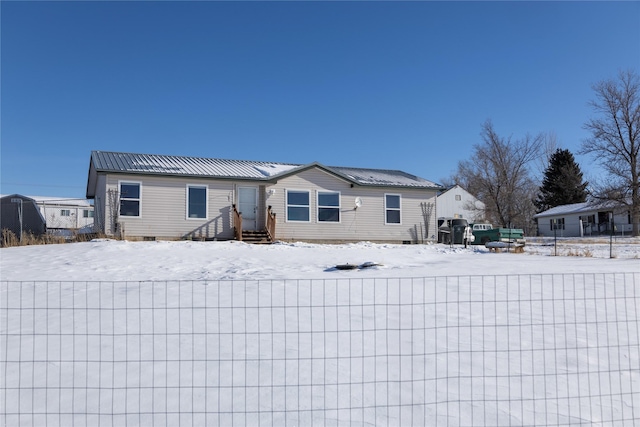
x=248 y=207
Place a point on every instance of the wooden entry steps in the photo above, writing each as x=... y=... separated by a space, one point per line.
x=260 y=236
x=256 y=237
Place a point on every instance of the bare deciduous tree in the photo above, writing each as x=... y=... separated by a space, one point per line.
x=549 y=146
x=498 y=175
x=615 y=141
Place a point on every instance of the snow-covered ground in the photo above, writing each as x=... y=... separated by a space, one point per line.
x=227 y=333
x=186 y=260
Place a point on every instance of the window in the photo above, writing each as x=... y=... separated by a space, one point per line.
x=588 y=219
x=392 y=208
x=65 y=212
x=298 y=206
x=129 y=199
x=196 y=202
x=328 y=206
x=458 y=197
x=86 y=213
x=556 y=224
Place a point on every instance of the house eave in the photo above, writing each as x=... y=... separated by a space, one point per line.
x=266 y=180
x=185 y=175
x=313 y=165
x=585 y=208
x=108 y=163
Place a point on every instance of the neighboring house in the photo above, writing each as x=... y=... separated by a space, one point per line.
x=173 y=197
x=65 y=214
x=456 y=202
x=20 y=214
x=583 y=219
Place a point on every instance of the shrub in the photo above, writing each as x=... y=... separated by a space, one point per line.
x=10 y=239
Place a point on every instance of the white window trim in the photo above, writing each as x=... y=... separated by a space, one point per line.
x=395 y=209
x=206 y=201
x=139 y=199
x=318 y=206
x=286 y=205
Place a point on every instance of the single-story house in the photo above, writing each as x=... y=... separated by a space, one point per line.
x=456 y=202
x=21 y=215
x=146 y=196
x=583 y=219
x=65 y=213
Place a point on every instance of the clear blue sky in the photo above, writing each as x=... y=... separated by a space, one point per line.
x=365 y=84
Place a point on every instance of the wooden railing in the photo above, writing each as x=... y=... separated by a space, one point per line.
x=237 y=223
x=271 y=224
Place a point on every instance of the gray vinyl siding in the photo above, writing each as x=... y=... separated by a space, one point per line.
x=364 y=223
x=163 y=208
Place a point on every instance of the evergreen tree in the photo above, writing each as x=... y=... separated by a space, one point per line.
x=562 y=184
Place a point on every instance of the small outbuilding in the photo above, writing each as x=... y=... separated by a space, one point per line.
x=20 y=214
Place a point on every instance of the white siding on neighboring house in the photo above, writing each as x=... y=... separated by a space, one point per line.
x=567 y=225
x=67 y=214
x=459 y=203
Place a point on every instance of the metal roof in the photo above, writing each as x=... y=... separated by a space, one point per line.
x=383 y=177
x=154 y=164
x=180 y=165
x=575 y=208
